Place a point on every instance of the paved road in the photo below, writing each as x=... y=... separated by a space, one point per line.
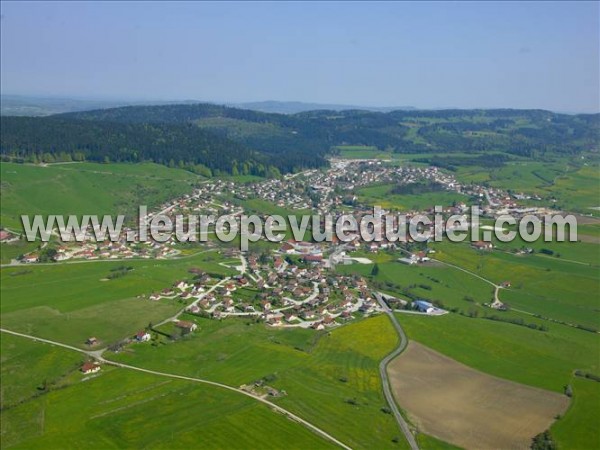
x=98 y=356
x=384 y=376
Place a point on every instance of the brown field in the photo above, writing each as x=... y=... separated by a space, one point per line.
x=466 y=407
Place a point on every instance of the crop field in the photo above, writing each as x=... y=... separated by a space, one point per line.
x=119 y=408
x=545 y=360
x=469 y=408
x=86 y=188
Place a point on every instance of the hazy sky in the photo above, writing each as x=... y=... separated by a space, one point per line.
x=521 y=55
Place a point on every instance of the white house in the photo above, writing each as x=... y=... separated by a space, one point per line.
x=142 y=336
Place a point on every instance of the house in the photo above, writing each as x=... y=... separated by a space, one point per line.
x=31 y=258
x=4 y=235
x=482 y=245
x=313 y=258
x=287 y=248
x=142 y=336
x=291 y=317
x=421 y=256
x=186 y=325
x=266 y=305
x=505 y=284
x=423 y=306
x=318 y=326
x=91 y=341
x=308 y=315
x=181 y=285
x=274 y=320
x=90 y=367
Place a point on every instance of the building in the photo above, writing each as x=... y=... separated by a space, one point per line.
x=482 y=245
x=186 y=325
x=142 y=336
x=90 y=367
x=423 y=306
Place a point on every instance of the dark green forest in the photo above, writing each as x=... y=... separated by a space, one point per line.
x=213 y=139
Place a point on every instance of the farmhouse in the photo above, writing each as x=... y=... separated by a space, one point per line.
x=142 y=336
x=31 y=258
x=90 y=367
x=186 y=325
x=482 y=245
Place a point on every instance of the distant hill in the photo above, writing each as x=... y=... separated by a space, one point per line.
x=272 y=106
x=24 y=105
x=214 y=138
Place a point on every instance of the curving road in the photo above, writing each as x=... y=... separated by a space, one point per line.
x=387 y=390
x=98 y=356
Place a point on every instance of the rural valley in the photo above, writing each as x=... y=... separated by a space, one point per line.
x=300 y=225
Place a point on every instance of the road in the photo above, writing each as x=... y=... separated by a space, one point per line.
x=387 y=390
x=273 y=406
x=497 y=287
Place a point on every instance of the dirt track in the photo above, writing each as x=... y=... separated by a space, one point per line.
x=466 y=407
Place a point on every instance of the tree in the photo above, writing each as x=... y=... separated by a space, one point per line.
x=375 y=270
x=543 y=441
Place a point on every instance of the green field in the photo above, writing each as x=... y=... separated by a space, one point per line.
x=120 y=408
x=87 y=188
x=13 y=250
x=553 y=287
x=320 y=372
x=362 y=152
x=380 y=195
x=578 y=429
x=575 y=187
x=71 y=302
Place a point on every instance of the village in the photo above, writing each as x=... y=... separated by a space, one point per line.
x=330 y=191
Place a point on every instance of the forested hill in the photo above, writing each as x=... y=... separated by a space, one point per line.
x=523 y=132
x=213 y=139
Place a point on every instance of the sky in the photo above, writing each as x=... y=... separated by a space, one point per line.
x=428 y=55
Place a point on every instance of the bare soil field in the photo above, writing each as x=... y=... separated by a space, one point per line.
x=466 y=407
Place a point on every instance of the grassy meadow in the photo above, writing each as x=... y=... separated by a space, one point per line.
x=86 y=188
x=71 y=302
x=119 y=408
x=380 y=195
x=330 y=378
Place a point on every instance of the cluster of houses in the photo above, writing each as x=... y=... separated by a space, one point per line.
x=287 y=295
x=325 y=191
